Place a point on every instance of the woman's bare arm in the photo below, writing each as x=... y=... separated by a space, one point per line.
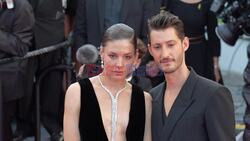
x=148 y=102
x=71 y=113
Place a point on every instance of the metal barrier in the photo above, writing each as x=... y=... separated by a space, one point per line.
x=54 y=68
x=63 y=67
x=37 y=52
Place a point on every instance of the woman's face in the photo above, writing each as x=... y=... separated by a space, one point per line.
x=118 y=57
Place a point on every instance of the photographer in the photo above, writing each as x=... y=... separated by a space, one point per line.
x=16 y=23
x=246 y=96
x=236 y=16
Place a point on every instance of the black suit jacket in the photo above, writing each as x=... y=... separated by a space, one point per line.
x=89 y=23
x=203 y=111
x=16 y=34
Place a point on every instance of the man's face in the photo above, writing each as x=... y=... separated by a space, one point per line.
x=167 y=49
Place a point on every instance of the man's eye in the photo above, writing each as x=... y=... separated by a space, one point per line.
x=156 y=47
x=171 y=44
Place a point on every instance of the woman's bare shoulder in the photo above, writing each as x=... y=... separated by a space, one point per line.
x=73 y=88
x=147 y=96
x=72 y=104
x=73 y=94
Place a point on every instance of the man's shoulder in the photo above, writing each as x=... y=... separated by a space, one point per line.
x=21 y=3
x=22 y=7
x=204 y=82
x=208 y=88
x=154 y=92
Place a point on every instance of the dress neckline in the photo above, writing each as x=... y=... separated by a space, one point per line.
x=114 y=106
x=100 y=112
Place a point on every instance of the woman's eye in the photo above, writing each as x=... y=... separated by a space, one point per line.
x=128 y=57
x=112 y=56
x=171 y=45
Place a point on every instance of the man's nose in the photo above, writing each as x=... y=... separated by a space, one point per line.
x=165 y=52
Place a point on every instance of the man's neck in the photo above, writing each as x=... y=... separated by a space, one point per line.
x=177 y=79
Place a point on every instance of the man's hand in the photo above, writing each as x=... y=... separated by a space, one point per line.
x=217 y=73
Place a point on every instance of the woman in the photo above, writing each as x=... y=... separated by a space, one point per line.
x=198 y=20
x=106 y=107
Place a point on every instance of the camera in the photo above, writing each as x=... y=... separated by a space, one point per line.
x=235 y=15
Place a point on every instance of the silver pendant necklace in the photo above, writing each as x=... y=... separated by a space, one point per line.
x=114 y=105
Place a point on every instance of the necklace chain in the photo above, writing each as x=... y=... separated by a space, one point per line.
x=114 y=109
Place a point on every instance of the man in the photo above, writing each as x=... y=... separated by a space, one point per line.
x=187 y=107
x=246 y=96
x=93 y=17
x=16 y=23
x=48 y=30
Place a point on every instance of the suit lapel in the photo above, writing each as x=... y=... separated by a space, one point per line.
x=157 y=115
x=158 y=102
x=101 y=12
x=182 y=103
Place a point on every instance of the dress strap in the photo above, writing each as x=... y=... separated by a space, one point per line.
x=136 y=126
x=90 y=121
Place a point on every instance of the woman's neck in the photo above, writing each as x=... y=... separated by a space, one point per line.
x=112 y=85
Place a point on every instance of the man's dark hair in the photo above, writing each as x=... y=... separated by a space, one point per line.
x=166 y=20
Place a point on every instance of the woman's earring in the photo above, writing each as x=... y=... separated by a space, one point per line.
x=134 y=67
x=102 y=64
